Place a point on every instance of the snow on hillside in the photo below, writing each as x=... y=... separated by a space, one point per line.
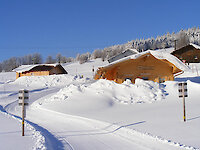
x=48 y=81
x=84 y=69
x=70 y=110
x=6 y=77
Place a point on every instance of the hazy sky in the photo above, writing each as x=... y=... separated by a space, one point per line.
x=69 y=27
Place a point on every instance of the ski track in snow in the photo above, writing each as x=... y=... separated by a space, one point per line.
x=133 y=139
x=98 y=133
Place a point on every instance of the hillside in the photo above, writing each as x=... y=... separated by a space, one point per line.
x=70 y=110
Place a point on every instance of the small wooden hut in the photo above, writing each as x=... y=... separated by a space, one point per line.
x=39 y=70
x=188 y=54
x=149 y=65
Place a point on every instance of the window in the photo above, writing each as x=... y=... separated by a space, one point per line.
x=161 y=80
x=128 y=79
x=145 y=78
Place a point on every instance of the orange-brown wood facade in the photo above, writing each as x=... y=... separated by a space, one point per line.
x=146 y=67
x=41 y=71
x=32 y=73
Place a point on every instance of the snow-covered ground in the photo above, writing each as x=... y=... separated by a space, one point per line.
x=75 y=112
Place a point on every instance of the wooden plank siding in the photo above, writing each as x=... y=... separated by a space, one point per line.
x=30 y=73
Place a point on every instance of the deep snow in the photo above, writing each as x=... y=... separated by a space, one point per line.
x=70 y=111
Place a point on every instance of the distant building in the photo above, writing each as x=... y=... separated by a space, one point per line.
x=39 y=70
x=149 y=65
x=125 y=53
x=189 y=53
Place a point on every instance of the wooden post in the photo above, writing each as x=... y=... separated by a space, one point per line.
x=23 y=101
x=23 y=113
x=93 y=71
x=184 y=114
x=183 y=93
x=175 y=44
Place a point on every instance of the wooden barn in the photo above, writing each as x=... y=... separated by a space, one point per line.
x=149 y=65
x=39 y=70
x=189 y=53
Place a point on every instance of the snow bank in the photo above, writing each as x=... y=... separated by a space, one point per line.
x=37 y=138
x=40 y=139
x=127 y=93
x=48 y=81
x=6 y=77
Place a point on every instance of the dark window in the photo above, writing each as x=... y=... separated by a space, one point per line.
x=128 y=79
x=145 y=78
x=161 y=80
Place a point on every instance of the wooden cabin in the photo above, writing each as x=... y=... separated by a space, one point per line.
x=39 y=70
x=188 y=54
x=149 y=65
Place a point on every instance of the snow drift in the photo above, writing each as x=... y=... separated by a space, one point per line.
x=111 y=92
x=48 y=81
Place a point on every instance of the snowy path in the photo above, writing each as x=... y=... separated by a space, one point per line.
x=83 y=134
x=11 y=134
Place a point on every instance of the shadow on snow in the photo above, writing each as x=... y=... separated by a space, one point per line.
x=51 y=142
x=100 y=131
x=192 y=79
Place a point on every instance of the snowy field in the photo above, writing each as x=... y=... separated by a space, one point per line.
x=78 y=113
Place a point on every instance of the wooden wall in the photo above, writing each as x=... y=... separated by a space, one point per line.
x=188 y=54
x=36 y=73
x=55 y=70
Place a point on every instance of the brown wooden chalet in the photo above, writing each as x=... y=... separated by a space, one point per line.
x=39 y=70
x=149 y=65
x=189 y=53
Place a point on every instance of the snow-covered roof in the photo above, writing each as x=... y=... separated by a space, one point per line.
x=24 y=68
x=157 y=54
x=124 y=53
x=134 y=50
x=195 y=46
x=167 y=50
x=192 y=44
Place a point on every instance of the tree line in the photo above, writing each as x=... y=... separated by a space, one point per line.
x=181 y=38
x=14 y=62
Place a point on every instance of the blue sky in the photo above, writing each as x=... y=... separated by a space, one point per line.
x=69 y=27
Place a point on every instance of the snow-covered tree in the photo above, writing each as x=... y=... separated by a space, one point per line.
x=50 y=60
x=97 y=54
x=83 y=58
x=182 y=39
x=58 y=58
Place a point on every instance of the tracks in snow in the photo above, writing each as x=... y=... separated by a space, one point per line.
x=82 y=133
